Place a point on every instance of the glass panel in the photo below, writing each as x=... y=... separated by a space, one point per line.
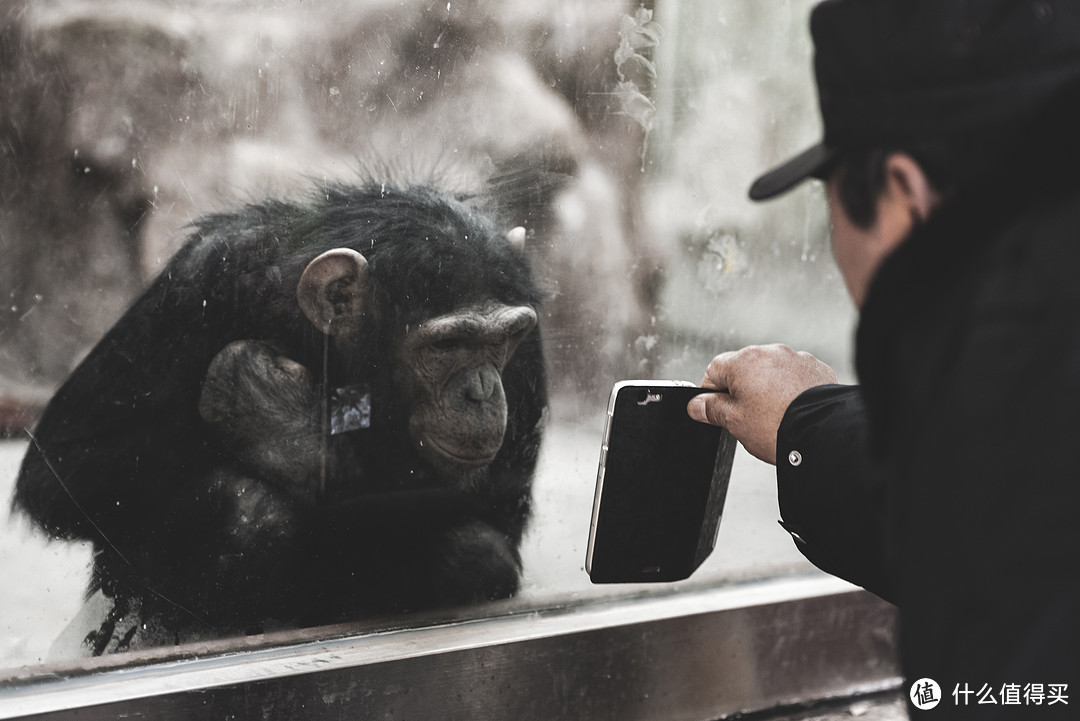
x=621 y=139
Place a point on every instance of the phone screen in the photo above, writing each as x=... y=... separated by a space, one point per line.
x=661 y=486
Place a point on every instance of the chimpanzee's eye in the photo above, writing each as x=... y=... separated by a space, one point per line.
x=447 y=344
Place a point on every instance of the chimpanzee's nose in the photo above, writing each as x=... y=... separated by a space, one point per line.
x=483 y=383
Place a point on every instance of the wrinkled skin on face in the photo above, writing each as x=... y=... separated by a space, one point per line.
x=450 y=368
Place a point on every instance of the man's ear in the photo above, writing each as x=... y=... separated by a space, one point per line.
x=333 y=290
x=906 y=181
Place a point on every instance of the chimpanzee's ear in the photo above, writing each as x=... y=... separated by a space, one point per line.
x=333 y=290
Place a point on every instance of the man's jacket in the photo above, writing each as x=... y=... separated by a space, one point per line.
x=949 y=482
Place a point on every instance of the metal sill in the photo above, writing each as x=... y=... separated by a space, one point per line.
x=696 y=655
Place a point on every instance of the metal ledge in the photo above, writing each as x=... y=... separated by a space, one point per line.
x=699 y=654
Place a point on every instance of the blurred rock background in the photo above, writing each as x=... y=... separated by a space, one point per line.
x=121 y=122
x=623 y=145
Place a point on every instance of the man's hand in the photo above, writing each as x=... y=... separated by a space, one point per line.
x=760 y=382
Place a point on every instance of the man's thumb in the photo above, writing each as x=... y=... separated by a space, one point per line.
x=700 y=406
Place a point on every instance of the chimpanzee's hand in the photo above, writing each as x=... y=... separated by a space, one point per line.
x=263 y=408
x=476 y=563
x=760 y=382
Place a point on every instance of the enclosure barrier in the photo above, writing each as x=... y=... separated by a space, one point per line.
x=698 y=655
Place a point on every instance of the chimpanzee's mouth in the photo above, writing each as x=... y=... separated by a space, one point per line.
x=458 y=459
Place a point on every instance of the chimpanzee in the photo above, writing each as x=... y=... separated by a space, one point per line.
x=317 y=411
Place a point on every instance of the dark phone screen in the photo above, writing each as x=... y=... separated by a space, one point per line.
x=663 y=486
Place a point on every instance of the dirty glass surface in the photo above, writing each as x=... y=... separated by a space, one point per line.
x=621 y=137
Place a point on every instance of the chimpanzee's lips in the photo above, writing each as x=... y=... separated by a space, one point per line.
x=467 y=461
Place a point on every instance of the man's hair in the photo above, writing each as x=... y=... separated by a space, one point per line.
x=860 y=177
x=951 y=165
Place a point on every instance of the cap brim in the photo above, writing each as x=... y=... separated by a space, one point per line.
x=812 y=163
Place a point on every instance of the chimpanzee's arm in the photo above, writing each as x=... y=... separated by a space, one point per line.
x=124 y=426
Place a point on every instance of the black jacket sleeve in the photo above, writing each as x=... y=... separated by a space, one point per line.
x=830 y=491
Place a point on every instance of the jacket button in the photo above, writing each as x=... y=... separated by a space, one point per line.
x=794 y=458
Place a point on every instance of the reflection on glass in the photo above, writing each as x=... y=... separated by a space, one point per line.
x=614 y=143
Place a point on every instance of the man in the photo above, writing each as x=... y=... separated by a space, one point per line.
x=949 y=483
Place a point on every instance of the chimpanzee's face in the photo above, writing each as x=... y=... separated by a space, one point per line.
x=447 y=365
x=449 y=369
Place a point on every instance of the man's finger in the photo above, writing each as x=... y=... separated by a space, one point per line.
x=717 y=372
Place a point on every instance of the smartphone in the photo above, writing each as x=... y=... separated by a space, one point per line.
x=660 y=488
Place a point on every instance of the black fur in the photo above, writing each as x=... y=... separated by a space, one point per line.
x=121 y=456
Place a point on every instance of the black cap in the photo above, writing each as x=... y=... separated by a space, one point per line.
x=895 y=71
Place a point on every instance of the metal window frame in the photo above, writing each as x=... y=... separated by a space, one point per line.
x=700 y=654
